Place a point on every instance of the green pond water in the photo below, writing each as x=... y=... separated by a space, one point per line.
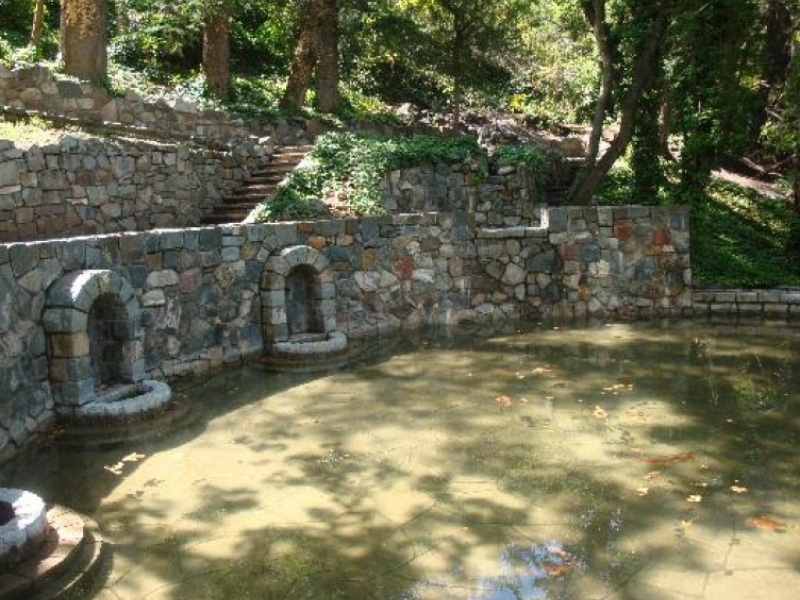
x=627 y=461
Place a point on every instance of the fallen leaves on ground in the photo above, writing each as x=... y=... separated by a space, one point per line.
x=695 y=498
x=642 y=491
x=738 y=489
x=599 y=413
x=767 y=523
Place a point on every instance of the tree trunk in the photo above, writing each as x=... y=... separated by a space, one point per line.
x=643 y=71
x=317 y=54
x=84 y=38
x=38 y=23
x=457 y=59
x=217 y=54
x=327 y=70
x=595 y=12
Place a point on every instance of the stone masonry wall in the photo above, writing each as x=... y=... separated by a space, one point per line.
x=87 y=186
x=37 y=90
x=200 y=289
x=510 y=197
x=777 y=303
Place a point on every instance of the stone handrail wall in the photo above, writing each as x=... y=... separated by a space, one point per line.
x=88 y=186
x=200 y=290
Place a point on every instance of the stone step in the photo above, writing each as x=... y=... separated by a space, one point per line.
x=261 y=186
x=68 y=562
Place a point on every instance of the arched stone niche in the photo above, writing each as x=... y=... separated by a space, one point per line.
x=297 y=294
x=92 y=321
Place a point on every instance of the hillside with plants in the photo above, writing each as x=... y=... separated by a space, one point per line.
x=681 y=101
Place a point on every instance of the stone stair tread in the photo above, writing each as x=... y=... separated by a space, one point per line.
x=261 y=186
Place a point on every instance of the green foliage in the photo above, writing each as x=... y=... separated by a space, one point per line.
x=555 y=64
x=157 y=38
x=521 y=154
x=349 y=168
x=17 y=18
x=740 y=237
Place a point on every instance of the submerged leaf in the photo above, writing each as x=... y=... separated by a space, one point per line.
x=767 y=523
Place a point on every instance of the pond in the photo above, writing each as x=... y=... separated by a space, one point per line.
x=623 y=461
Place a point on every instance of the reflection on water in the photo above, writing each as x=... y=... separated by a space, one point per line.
x=624 y=461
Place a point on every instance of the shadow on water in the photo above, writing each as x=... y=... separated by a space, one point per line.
x=520 y=449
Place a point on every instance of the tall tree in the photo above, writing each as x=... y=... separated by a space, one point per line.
x=468 y=30
x=84 y=38
x=316 y=57
x=712 y=102
x=37 y=28
x=217 y=46
x=640 y=70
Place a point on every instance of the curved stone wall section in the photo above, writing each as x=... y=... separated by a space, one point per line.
x=87 y=186
x=212 y=295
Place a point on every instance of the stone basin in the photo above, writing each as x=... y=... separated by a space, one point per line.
x=25 y=529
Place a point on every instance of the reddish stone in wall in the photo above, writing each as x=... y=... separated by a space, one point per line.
x=662 y=237
x=623 y=230
x=404 y=268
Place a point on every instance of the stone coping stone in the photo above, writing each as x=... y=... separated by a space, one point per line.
x=501 y=233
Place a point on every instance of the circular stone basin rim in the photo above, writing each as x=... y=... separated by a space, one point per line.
x=27 y=526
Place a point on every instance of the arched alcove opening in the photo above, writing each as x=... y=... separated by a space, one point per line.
x=108 y=330
x=92 y=320
x=303 y=310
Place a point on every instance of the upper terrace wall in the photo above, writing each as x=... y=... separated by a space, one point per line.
x=86 y=186
x=200 y=290
x=36 y=89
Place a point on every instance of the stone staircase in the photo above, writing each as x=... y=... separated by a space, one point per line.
x=262 y=185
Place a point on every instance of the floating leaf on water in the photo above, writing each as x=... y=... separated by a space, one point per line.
x=767 y=523
x=695 y=498
x=115 y=469
x=599 y=413
x=503 y=401
x=738 y=489
x=134 y=457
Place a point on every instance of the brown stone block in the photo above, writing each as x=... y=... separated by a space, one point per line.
x=72 y=345
x=369 y=260
x=317 y=242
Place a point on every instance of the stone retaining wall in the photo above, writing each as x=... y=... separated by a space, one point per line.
x=198 y=295
x=778 y=303
x=37 y=90
x=508 y=198
x=85 y=186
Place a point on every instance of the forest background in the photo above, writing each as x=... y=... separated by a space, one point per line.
x=670 y=92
